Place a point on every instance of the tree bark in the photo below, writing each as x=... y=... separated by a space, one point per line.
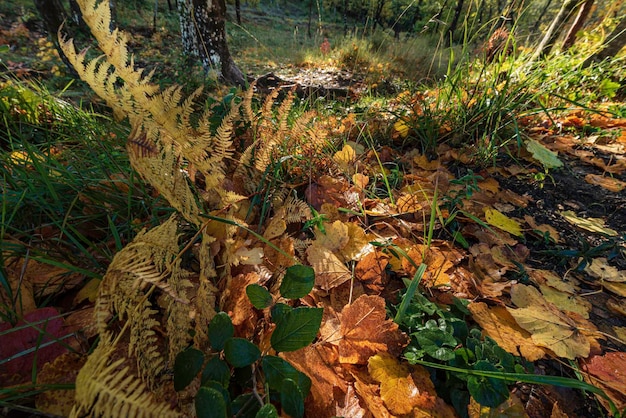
x=611 y=46
x=535 y=28
x=203 y=33
x=553 y=32
x=53 y=15
x=455 y=18
x=581 y=18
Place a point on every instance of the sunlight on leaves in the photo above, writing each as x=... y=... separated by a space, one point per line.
x=499 y=220
x=365 y=331
x=549 y=326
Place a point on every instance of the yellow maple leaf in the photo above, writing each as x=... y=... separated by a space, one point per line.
x=549 y=326
x=500 y=220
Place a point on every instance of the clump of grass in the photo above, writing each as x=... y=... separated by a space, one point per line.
x=69 y=195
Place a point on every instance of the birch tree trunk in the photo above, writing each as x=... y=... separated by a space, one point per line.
x=203 y=33
x=554 y=30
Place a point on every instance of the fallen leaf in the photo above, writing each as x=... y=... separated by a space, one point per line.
x=588 y=224
x=334 y=237
x=543 y=228
x=549 y=327
x=511 y=408
x=499 y=220
x=63 y=370
x=368 y=390
x=601 y=269
x=566 y=301
x=397 y=388
x=330 y=272
x=609 y=373
x=318 y=363
x=365 y=331
x=547 y=158
x=88 y=292
x=402 y=128
x=500 y=325
x=610 y=183
x=360 y=180
x=345 y=158
x=25 y=344
x=370 y=271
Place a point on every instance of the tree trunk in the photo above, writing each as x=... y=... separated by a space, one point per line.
x=535 y=28
x=553 y=32
x=308 y=29
x=455 y=18
x=345 y=17
x=53 y=15
x=238 y=11
x=611 y=46
x=203 y=30
x=581 y=18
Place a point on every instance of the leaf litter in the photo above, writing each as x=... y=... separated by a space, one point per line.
x=516 y=226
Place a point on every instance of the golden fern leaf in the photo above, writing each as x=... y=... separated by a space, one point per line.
x=205 y=300
x=105 y=389
x=145 y=262
x=297 y=210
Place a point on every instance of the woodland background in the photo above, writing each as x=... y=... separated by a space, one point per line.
x=332 y=208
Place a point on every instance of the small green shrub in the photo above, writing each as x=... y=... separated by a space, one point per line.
x=236 y=377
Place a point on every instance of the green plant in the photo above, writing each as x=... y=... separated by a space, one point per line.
x=237 y=369
x=462 y=361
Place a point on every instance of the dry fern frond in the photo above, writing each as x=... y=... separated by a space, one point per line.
x=144 y=263
x=104 y=389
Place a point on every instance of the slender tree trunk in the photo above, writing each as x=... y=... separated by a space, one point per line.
x=308 y=29
x=187 y=29
x=209 y=18
x=553 y=32
x=455 y=19
x=238 y=11
x=535 y=28
x=53 y=15
x=345 y=17
x=581 y=18
x=379 y=10
x=611 y=46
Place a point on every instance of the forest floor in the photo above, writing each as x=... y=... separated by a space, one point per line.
x=553 y=217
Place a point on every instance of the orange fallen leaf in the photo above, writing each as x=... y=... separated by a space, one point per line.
x=365 y=331
x=609 y=183
x=318 y=363
x=609 y=373
x=370 y=270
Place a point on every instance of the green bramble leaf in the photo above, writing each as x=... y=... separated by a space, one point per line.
x=240 y=352
x=296 y=329
x=259 y=296
x=220 y=329
x=187 y=365
x=298 y=282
